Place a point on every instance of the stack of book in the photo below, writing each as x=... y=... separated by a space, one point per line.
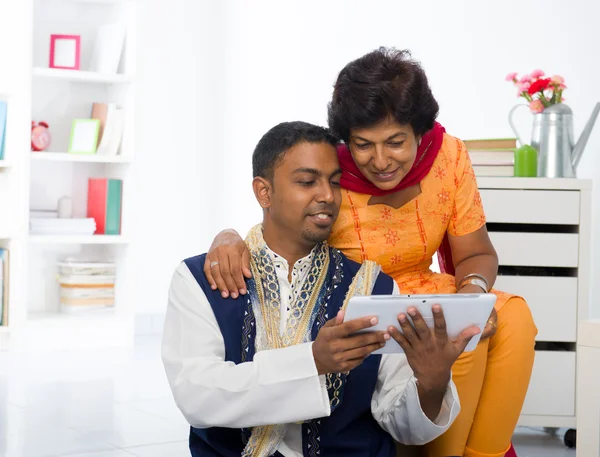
x=86 y=285
x=3 y=287
x=105 y=198
x=492 y=157
x=57 y=226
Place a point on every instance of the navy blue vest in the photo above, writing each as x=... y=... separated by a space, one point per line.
x=350 y=430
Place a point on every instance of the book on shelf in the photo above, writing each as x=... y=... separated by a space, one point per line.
x=108 y=48
x=491 y=144
x=104 y=204
x=4 y=283
x=492 y=157
x=43 y=214
x=494 y=170
x=3 y=115
x=112 y=124
x=99 y=112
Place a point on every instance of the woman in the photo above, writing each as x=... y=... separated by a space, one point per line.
x=408 y=190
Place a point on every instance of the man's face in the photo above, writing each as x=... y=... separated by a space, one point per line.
x=305 y=195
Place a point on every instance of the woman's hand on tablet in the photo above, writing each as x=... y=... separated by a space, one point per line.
x=491 y=326
x=430 y=352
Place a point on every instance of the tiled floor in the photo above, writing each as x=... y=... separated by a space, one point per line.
x=115 y=403
x=531 y=442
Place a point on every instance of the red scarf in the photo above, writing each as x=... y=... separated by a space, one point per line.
x=431 y=143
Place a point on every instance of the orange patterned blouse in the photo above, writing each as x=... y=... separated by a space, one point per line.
x=404 y=240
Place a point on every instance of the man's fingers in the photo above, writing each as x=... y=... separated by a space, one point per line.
x=353 y=326
x=439 y=324
x=407 y=329
x=421 y=328
x=246 y=266
x=363 y=352
x=337 y=320
x=400 y=339
x=352 y=364
x=331 y=323
x=364 y=339
x=466 y=336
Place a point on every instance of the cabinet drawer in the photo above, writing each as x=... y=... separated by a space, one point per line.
x=552 y=387
x=531 y=206
x=537 y=249
x=553 y=303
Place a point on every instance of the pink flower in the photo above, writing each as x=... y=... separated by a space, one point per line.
x=558 y=80
x=511 y=76
x=537 y=74
x=525 y=79
x=524 y=86
x=536 y=106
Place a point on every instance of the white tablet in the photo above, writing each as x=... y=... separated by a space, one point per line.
x=460 y=311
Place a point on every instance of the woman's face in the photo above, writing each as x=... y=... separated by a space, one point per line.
x=385 y=152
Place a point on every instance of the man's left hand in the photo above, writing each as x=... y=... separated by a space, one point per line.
x=430 y=352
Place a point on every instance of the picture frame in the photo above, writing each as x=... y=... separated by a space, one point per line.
x=65 y=52
x=84 y=136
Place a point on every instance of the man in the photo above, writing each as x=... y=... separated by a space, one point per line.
x=281 y=374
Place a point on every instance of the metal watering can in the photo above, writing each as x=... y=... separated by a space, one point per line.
x=552 y=137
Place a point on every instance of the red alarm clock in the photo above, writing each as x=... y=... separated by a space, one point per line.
x=40 y=136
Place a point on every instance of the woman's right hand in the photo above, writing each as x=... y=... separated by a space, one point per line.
x=230 y=261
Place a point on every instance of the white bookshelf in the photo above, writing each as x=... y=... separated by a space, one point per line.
x=81 y=158
x=77 y=239
x=80 y=76
x=36 y=180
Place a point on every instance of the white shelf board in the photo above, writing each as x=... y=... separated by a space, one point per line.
x=66 y=157
x=5 y=164
x=79 y=76
x=5 y=236
x=78 y=239
x=4 y=329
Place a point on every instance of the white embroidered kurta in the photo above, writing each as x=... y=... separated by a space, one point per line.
x=281 y=385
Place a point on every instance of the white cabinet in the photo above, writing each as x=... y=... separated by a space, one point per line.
x=541 y=230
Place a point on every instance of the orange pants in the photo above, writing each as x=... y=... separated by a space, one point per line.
x=492 y=382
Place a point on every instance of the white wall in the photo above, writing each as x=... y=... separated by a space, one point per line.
x=177 y=137
x=270 y=61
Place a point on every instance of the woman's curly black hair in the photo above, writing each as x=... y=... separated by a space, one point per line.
x=383 y=83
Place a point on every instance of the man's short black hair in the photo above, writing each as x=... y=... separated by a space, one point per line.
x=281 y=138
